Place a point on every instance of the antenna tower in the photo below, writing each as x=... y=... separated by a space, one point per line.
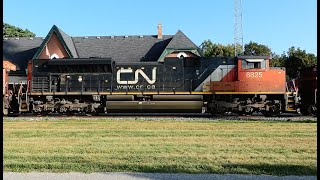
x=238 y=35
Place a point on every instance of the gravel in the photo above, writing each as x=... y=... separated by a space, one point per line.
x=144 y=176
x=176 y=117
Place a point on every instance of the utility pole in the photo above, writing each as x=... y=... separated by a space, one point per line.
x=238 y=35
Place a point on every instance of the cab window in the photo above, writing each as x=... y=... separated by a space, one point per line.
x=253 y=65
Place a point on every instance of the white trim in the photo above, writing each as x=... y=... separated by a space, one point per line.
x=254 y=60
x=182 y=54
x=54 y=55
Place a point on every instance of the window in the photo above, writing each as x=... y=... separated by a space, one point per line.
x=253 y=64
x=182 y=55
x=54 y=56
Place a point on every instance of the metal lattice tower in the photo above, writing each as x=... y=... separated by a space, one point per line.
x=238 y=35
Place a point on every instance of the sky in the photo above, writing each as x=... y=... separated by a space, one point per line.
x=279 y=24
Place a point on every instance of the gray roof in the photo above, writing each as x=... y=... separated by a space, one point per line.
x=118 y=48
x=69 y=43
x=122 y=48
x=181 y=41
x=20 y=50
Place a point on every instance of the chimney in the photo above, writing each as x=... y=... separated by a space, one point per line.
x=160 y=31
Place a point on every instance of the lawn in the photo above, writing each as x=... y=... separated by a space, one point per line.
x=244 y=147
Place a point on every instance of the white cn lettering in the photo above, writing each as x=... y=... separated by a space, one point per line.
x=136 y=76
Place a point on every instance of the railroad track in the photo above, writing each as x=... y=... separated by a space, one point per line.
x=167 y=116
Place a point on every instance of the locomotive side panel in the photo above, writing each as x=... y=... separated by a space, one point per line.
x=215 y=70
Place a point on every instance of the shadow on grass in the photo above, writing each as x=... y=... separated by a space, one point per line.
x=266 y=169
x=278 y=170
x=88 y=167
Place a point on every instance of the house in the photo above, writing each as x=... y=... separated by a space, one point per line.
x=58 y=45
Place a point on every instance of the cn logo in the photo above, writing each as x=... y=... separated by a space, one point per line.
x=136 y=76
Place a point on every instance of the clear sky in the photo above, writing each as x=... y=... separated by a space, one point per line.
x=278 y=24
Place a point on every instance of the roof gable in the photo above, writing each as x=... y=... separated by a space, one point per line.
x=64 y=39
x=181 y=41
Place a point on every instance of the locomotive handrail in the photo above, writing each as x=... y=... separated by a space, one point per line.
x=28 y=84
x=6 y=88
x=19 y=92
x=315 y=96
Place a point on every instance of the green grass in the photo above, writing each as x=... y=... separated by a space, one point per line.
x=251 y=147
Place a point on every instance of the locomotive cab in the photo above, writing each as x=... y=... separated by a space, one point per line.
x=255 y=75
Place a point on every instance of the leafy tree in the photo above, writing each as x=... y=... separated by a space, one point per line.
x=278 y=60
x=256 y=49
x=12 y=31
x=298 y=59
x=210 y=49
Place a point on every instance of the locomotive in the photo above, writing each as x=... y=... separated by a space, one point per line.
x=215 y=85
x=138 y=74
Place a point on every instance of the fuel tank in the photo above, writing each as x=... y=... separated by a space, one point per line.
x=154 y=106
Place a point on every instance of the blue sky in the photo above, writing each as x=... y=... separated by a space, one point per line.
x=278 y=24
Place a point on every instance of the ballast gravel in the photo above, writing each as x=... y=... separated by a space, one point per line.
x=144 y=176
x=159 y=117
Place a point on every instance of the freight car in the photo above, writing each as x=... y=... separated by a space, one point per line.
x=307 y=85
x=215 y=85
x=6 y=91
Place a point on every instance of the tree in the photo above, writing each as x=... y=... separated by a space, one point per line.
x=278 y=60
x=298 y=59
x=217 y=50
x=12 y=31
x=256 y=49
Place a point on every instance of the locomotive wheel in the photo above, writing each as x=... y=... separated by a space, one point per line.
x=272 y=112
x=247 y=111
x=304 y=111
x=312 y=110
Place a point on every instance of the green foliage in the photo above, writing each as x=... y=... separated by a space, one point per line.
x=256 y=49
x=298 y=59
x=12 y=31
x=277 y=60
x=210 y=49
x=293 y=60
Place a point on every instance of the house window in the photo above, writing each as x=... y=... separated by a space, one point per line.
x=54 y=56
x=182 y=55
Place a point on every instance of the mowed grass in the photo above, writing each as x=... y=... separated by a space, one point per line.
x=245 y=147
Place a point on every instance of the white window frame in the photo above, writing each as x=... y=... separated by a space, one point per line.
x=54 y=55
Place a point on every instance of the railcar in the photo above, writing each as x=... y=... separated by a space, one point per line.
x=307 y=88
x=215 y=85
